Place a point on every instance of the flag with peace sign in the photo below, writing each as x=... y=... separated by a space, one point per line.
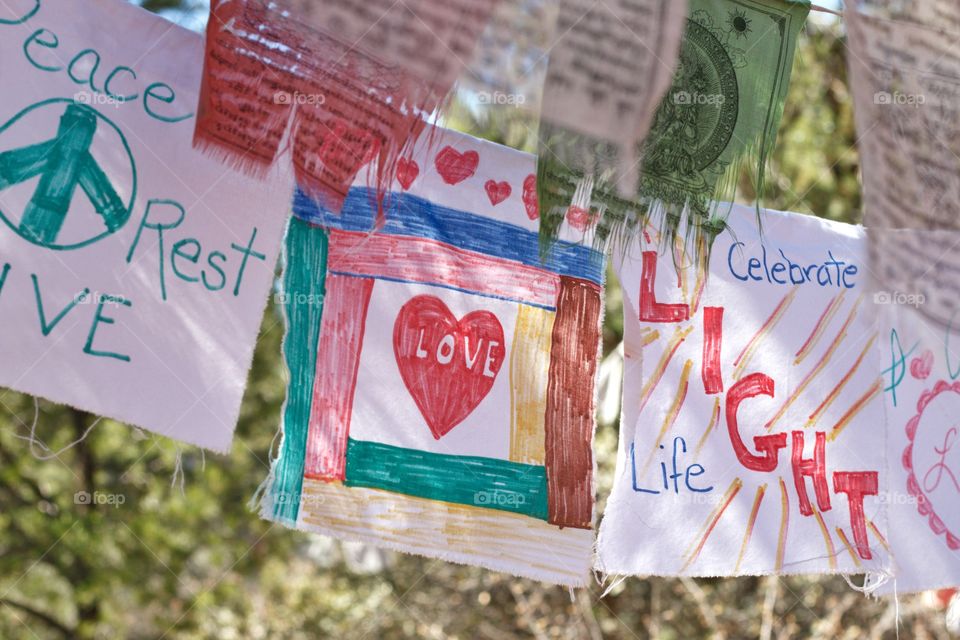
x=133 y=269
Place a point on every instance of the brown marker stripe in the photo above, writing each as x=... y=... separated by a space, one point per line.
x=569 y=415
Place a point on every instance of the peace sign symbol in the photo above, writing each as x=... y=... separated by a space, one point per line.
x=70 y=181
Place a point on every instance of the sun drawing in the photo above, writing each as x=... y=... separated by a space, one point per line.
x=739 y=23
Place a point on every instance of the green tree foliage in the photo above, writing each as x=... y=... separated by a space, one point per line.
x=189 y=560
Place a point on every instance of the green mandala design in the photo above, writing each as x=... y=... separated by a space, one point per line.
x=695 y=123
x=719 y=117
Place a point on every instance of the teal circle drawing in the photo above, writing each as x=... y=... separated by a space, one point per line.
x=64 y=164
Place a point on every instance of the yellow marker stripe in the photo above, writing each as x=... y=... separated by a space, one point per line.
x=819 y=411
x=784 y=522
x=711 y=522
x=761 y=490
x=673 y=412
x=822 y=323
x=846 y=543
x=823 y=362
x=529 y=364
x=678 y=337
x=831 y=550
x=740 y=364
x=856 y=408
x=714 y=420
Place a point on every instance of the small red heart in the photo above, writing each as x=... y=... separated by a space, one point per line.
x=952 y=542
x=497 y=191
x=530 y=202
x=580 y=218
x=448 y=366
x=920 y=367
x=407 y=172
x=936 y=524
x=454 y=166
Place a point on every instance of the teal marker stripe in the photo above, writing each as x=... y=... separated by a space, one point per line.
x=304 y=275
x=469 y=480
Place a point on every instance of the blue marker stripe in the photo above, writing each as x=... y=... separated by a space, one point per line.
x=409 y=215
x=444 y=286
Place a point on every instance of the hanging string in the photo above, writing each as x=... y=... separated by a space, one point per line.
x=36 y=442
x=872 y=581
x=616 y=582
x=178 y=473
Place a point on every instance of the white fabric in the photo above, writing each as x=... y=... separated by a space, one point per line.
x=921 y=367
x=189 y=342
x=659 y=533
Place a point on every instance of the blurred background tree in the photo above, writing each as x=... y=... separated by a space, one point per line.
x=181 y=556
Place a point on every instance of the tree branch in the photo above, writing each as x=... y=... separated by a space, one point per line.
x=46 y=618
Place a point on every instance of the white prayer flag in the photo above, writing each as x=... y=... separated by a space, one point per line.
x=133 y=269
x=752 y=434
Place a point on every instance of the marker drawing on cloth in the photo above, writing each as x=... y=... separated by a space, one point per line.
x=442 y=373
x=905 y=76
x=921 y=382
x=752 y=438
x=351 y=81
x=133 y=269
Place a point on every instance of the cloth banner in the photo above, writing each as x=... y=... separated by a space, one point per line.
x=353 y=81
x=905 y=79
x=921 y=367
x=752 y=437
x=133 y=269
x=722 y=110
x=441 y=397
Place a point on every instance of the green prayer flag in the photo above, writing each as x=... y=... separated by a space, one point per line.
x=722 y=110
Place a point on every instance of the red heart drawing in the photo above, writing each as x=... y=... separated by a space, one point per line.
x=454 y=166
x=407 y=172
x=920 y=367
x=448 y=366
x=497 y=191
x=530 y=202
x=580 y=218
